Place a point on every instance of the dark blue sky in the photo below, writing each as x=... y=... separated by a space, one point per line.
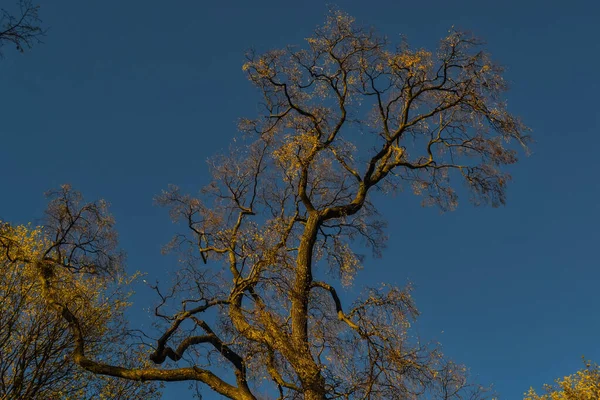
x=125 y=97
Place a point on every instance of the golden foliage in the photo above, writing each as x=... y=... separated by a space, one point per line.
x=582 y=385
x=35 y=342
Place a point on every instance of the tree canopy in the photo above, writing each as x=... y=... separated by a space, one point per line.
x=269 y=245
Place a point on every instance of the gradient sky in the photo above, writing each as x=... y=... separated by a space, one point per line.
x=125 y=97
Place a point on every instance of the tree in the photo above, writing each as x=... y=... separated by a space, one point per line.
x=22 y=29
x=583 y=385
x=256 y=307
x=34 y=344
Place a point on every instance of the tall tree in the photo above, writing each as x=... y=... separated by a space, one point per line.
x=256 y=306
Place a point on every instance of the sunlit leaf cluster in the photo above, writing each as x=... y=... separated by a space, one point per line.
x=582 y=385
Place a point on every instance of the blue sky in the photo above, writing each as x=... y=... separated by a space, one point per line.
x=124 y=98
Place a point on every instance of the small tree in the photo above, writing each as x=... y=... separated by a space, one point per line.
x=270 y=238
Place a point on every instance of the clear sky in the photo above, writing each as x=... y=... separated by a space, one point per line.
x=125 y=97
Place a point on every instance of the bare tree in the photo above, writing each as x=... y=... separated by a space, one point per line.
x=256 y=308
x=22 y=29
